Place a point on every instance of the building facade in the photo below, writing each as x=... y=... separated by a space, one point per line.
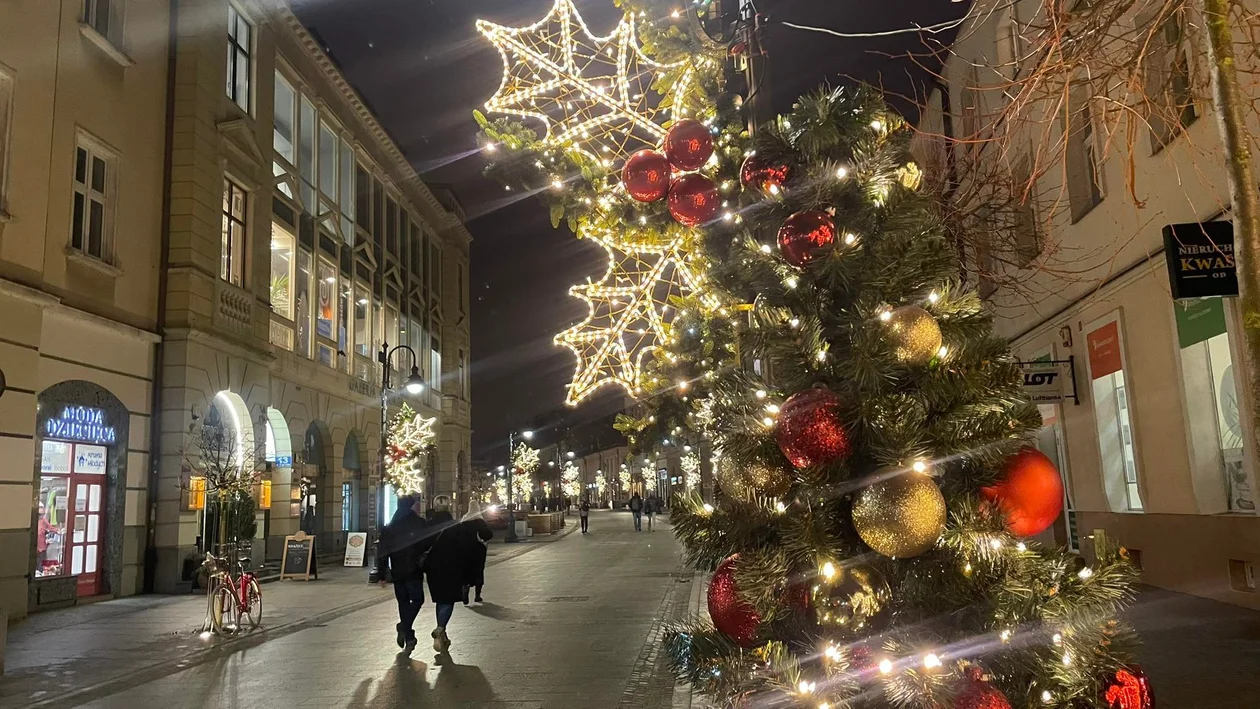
x=1155 y=448
x=302 y=243
x=202 y=224
x=82 y=107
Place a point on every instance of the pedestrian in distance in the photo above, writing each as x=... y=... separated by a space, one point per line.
x=445 y=568
x=636 y=509
x=649 y=508
x=401 y=547
x=584 y=511
x=477 y=533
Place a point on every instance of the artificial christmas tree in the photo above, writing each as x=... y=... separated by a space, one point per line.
x=850 y=386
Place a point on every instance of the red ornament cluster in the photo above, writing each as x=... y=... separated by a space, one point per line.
x=648 y=174
x=803 y=234
x=734 y=618
x=810 y=430
x=979 y=694
x=1030 y=493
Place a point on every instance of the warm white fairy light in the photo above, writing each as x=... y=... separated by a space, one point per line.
x=850 y=239
x=806 y=687
x=842 y=172
x=1085 y=573
x=828 y=570
x=933 y=297
x=885 y=666
x=760 y=394
x=919 y=466
x=1021 y=547
x=569 y=482
x=627 y=317
x=708 y=509
x=1005 y=635
x=1057 y=638
x=931 y=661
x=1047 y=697
x=780 y=507
x=524 y=463
x=589 y=92
x=765 y=248
x=689 y=464
x=885 y=315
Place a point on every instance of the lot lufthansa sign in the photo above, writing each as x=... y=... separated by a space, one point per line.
x=1201 y=259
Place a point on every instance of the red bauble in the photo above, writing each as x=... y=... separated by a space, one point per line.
x=1030 y=493
x=978 y=694
x=763 y=174
x=810 y=429
x=803 y=234
x=734 y=618
x=693 y=200
x=646 y=176
x=688 y=144
x=1129 y=688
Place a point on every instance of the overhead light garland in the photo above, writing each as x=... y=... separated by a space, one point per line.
x=592 y=93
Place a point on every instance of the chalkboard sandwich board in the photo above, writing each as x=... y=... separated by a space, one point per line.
x=299 y=550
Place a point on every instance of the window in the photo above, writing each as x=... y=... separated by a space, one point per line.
x=362 y=198
x=326 y=312
x=347 y=193
x=1217 y=439
x=1113 y=414
x=239 y=42
x=91 y=230
x=415 y=336
x=232 y=259
x=391 y=225
x=6 y=117
x=462 y=375
x=1027 y=238
x=1010 y=41
x=417 y=253
x=306 y=155
x=302 y=303
x=1168 y=86
x=1084 y=176
x=328 y=149
x=971 y=110
x=285 y=120
x=435 y=363
x=435 y=268
x=362 y=328
x=391 y=325
x=347 y=506
x=282 y=247
x=378 y=214
x=343 y=318
x=104 y=17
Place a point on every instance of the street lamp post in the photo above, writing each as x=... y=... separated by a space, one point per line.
x=511 y=530
x=414 y=385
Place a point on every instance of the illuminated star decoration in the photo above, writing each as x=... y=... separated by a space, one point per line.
x=627 y=316
x=589 y=92
x=524 y=463
x=569 y=479
x=409 y=436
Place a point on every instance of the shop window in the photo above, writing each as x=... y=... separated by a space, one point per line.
x=1212 y=406
x=91 y=231
x=302 y=303
x=70 y=533
x=347 y=506
x=282 y=259
x=239 y=64
x=232 y=258
x=1113 y=415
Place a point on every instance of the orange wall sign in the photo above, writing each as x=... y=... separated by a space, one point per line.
x=1104 y=350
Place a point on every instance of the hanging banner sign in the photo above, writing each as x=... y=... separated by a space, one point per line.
x=1200 y=259
x=1050 y=381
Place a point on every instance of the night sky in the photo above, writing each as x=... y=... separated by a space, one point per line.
x=423 y=68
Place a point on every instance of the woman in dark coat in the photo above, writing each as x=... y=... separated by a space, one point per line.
x=477 y=532
x=445 y=569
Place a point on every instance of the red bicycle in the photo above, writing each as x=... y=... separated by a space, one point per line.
x=235 y=601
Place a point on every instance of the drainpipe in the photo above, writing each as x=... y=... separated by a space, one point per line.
x=155 y=428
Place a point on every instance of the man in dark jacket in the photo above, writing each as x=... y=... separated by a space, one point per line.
x=402 y=546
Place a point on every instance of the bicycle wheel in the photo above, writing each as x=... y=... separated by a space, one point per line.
x=223 y=611
x=252 y=605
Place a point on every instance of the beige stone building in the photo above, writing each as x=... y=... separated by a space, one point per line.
x=1156 y=454
x=211 y=226
x=82 y=108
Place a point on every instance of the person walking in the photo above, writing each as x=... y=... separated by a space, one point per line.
x=584 y=511
x=445 y=568
x=401 y=546
x=649 y=508
x=636 y=509
x=478 y=533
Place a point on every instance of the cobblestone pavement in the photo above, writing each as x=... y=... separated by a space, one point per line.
x=572 y=623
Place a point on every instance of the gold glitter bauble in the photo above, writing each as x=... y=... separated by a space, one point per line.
x=751 y=480
x=901 y=515
x=853 y=599
x=914 y=334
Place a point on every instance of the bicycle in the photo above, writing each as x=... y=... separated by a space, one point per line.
x=233 y=601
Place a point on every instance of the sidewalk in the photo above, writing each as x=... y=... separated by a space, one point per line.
x=56 y=655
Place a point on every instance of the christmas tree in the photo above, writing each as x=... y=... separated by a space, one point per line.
x=792 y=301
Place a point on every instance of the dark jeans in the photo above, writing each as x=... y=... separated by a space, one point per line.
x=444 y=611
x=638 y=521
x=410 y=596
x=586 y=522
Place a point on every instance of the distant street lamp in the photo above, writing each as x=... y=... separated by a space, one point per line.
x=414 y=385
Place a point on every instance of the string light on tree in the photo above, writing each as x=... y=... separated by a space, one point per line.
x=591 y=93
x=524 y=463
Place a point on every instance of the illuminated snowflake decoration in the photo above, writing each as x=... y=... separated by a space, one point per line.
x=690 y=466
x=625 y=478
x=569 y=483
x=524 y=463
x=627 y=312
x=593 y=93
x=409 y=437
x=601 y=482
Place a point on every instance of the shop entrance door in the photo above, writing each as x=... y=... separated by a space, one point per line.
x=87 y=539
